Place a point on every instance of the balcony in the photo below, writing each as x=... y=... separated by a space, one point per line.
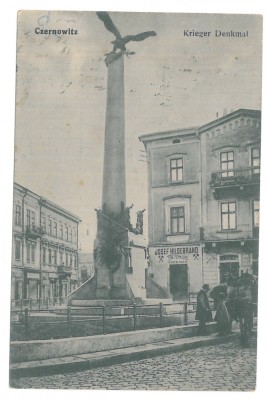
x=242 y=233
x=34 y=232
x=236 y=181
x=64 y=271
x=235 y=177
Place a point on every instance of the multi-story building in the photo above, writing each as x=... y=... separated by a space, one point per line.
x=203 y=206
x=85 y=266
x=45 y=246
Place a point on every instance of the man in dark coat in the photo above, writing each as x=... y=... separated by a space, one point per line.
x=202 y=310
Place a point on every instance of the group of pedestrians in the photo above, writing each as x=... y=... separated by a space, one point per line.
x=234 y=300
x=204 y=312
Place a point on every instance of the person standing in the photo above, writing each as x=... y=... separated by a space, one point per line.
x=222 y=316
x=202 y=310
x=215 y=293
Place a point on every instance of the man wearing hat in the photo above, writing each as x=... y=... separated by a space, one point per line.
x=202 y=310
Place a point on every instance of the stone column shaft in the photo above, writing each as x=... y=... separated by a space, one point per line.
x=114 y=180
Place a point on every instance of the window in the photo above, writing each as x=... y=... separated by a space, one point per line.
x=71 y=235
x=61 y=232
x=55 y=229
x=176 y=170
x=44 y=256
x=44 y=223
x=32 y=219
x=255 y=263
x=61 y=258
x=49 y=257
x=177 y=220
x=227 y=164
x=228 y=216
x=255 y=160
x=55 y=257
x=71 y=260
x=66 y=233
x=28 y=252
x=18 y=215
x=66 y=259
x=28 y=218
x=49 y=226
x=74 y=261
x=33 y=253
x=256 y=213
x=17 y=249
x=84 y=275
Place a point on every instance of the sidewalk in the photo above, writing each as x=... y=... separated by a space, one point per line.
x=104 y=358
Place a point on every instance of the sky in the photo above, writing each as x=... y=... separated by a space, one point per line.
x=172 y=81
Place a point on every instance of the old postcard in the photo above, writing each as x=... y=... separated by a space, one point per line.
x=135 y=245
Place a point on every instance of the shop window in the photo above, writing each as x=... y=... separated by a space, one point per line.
x=228 y=215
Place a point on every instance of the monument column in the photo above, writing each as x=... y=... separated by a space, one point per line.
x=114 y=179
x=111 y=283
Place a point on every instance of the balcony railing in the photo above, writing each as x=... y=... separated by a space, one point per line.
x=234 y=177
x=34 y=231
x=242 y=232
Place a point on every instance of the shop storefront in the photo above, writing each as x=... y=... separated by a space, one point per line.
x=177 y=269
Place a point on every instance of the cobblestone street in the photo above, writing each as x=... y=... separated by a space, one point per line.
x=223 y=367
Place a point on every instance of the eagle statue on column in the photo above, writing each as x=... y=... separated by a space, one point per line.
x=120 y=42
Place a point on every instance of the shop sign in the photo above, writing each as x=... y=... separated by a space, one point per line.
x=177 y=255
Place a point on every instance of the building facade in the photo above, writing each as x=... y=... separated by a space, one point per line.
x=203 y=209
x=45 y=246
x=85 y=266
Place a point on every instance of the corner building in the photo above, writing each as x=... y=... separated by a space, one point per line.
x=44 y=251
x=203 y=209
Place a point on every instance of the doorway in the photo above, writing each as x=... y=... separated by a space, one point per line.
x=178 y=281
x=229 y=267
